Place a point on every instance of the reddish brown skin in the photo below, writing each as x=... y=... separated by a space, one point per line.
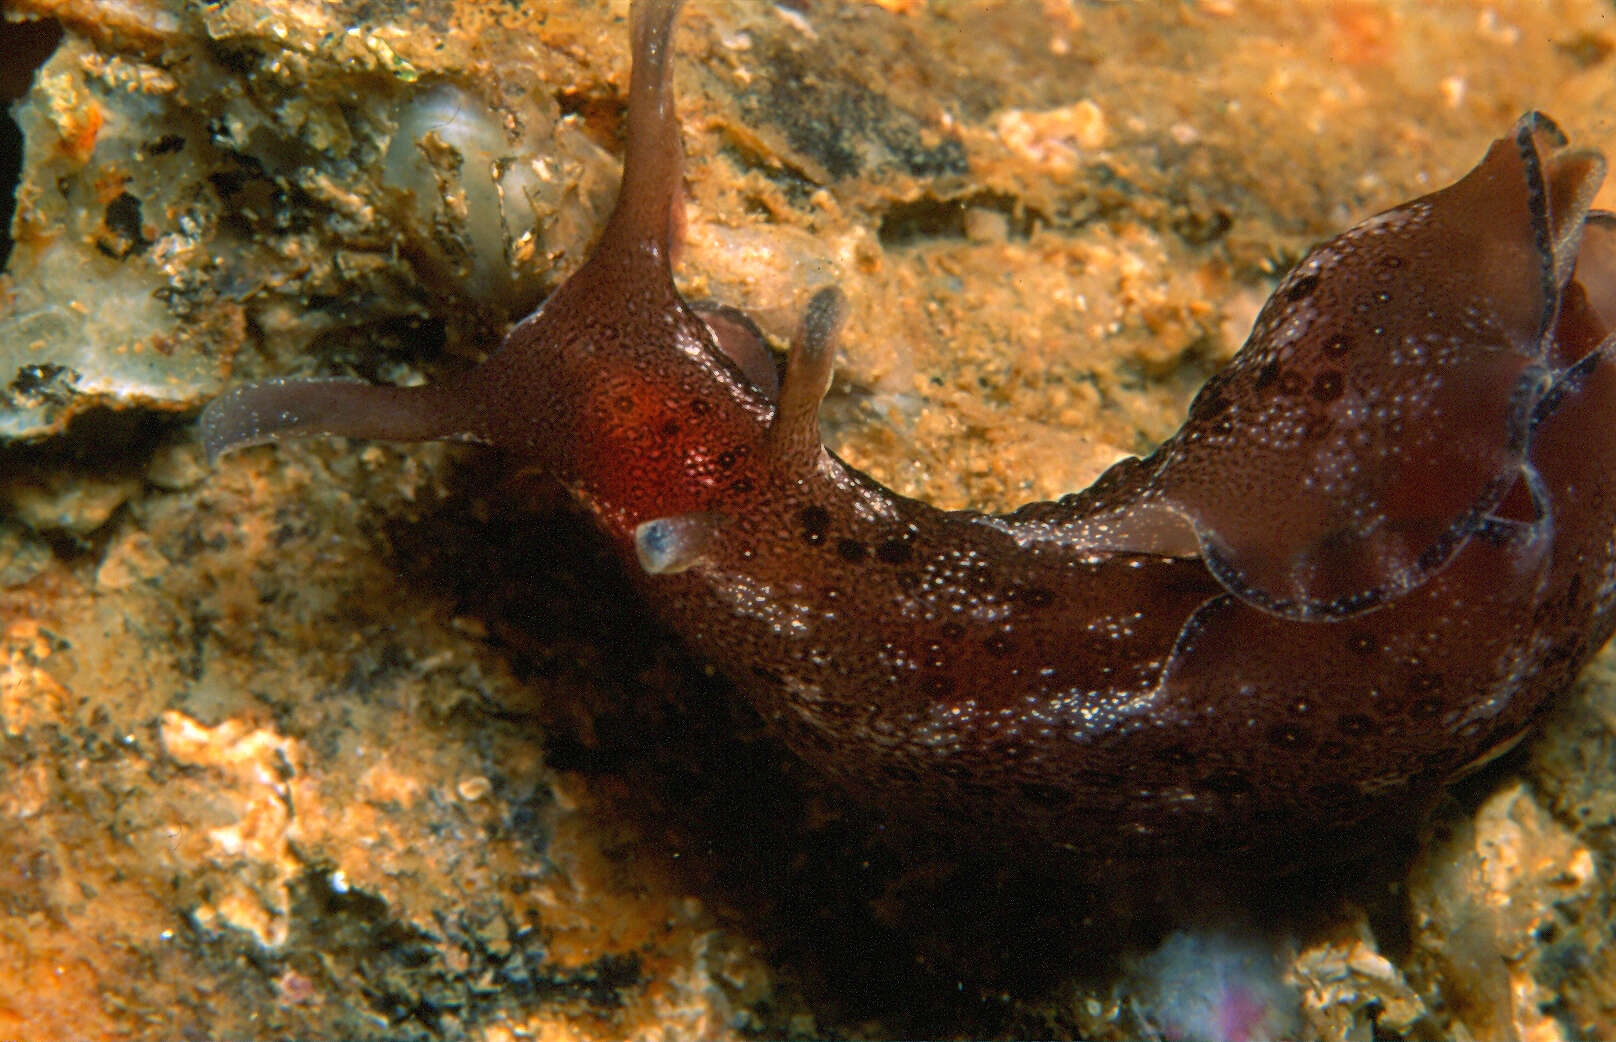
x=1380 y=543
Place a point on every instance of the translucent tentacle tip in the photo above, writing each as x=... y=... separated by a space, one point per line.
x=822 y=321
x=252 y=414
x=808 y=366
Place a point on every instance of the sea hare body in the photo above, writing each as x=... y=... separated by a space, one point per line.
x=1379 y=544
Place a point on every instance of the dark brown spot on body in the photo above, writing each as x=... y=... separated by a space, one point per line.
x=815 y=522
x=1286 y=737
x=1333 y=751
x=1035 y=596
x=1362 y=644
x=1228 y=783
x=1176 y=755
x=1210 y=406
x=1356 y=725
x=1327 y=385
x=894 y=551
x=1427 y=708
x=999 y=645
x=1425 y=682
x=1266 y=376
x=1044 y=795
x=1300 y=288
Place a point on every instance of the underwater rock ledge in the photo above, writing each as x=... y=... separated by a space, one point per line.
x=390 y=811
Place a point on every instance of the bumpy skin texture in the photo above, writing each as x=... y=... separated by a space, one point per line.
x=1381 y=541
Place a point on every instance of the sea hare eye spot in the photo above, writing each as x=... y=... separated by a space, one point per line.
x=1327 y=385
x=1301 y=287
x=1356 y=725
x=726 y=459
x=851 y=550
x=1337 y=346
x=894 y=551
x=815 y=523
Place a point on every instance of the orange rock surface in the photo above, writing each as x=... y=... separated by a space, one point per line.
x=358 y=741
